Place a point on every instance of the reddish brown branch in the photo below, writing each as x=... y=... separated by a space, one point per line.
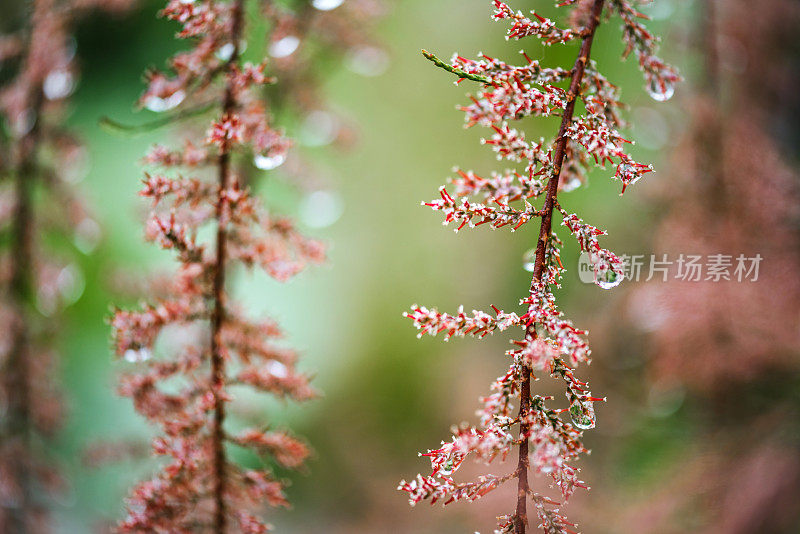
x=218 y=314
x=521 y=515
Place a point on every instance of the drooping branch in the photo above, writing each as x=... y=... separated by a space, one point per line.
x=547 y=442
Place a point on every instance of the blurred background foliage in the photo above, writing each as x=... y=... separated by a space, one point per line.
x=386 y=394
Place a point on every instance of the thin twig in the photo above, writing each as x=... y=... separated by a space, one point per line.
x=458 y=72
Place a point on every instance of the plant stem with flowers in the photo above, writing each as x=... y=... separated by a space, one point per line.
x=551 y=344
x=38 y=165
x=201 y=489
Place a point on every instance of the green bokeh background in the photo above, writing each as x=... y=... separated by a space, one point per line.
x=387 y=395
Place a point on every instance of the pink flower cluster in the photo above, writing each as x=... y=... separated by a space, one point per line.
x=543 y=28
x=549 y=439
x=193 y=348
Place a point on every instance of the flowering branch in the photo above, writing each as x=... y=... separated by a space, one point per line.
x=188 y=393
x=38 y=156
x=550 y=343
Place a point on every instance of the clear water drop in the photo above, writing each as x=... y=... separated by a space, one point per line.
x=137 y=355
x=277 y=369
x=158 y=104
x=608 y=278
x=267 y=163
x=58 y=84
x=284 y=47
x=225 y=51
x=529 y=260
x=449 y=466
x=582 y=414
x=326 y=5
x=660 y=90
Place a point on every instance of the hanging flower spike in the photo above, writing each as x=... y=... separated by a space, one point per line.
x=549 y=439
x=187 y=387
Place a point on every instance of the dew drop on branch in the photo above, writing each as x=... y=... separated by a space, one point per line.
x=284 y=47
x=158 y=104
x=326 y=5
x=582 y=414
x=660 y=90
x=225 y=52
x=608 y=278
x=137 y=355
x=58 y=84
x=277 y=369
x=267 y=163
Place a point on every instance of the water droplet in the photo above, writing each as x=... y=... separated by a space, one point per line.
x=158 y=104
x=225 y=51
x=660 y=90
x=571 y=184
x=137 y=355
x=267 y=163
x=529 y=260
x=284 y=47
x=449 y=465
x=326 y=5
x=318 y=129
x=321 y=209
x=582 y=414
x=277 y=369
x=607 y=278
x=367 y=61
x=58 y=84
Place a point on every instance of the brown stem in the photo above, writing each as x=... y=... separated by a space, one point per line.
x=521 y=515
x=218 y=314
x=18 y=365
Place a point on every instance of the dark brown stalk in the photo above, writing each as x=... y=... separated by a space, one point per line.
x=218 y=291
x=521 y=515
x=21 y=290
